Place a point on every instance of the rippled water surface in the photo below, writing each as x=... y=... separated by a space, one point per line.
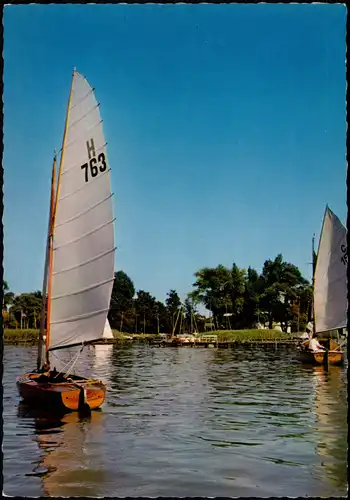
x=183 y=422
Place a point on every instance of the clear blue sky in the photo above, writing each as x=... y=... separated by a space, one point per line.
x=225 y=123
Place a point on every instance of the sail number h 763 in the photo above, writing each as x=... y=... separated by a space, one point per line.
x=94 y=165
x=344 y=258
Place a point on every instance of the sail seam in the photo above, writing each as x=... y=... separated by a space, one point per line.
x=84 y=235
x=84 y=211
x=85 y=131
x=76 y=164
x=85 y=185
x=79 y=317
x=84 y=263
x=82 y=99
x=82 y=290
x=84 y=116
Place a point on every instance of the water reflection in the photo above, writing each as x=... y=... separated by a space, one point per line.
x=184 y=422
x=65 y=467
x=330 y=409
x=257 y=393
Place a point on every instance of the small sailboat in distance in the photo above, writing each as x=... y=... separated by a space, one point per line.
x=107 y=336
x=330 y=303
x=79 y=264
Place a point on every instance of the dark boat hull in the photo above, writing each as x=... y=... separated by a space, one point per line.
x=318 y=358
x=60 y=395
x=335 y=355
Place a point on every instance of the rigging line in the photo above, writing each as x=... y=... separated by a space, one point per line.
x=71 y=361
x=97 y=257
x=79 y=353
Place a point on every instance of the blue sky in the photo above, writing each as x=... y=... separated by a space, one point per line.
x=225 y=127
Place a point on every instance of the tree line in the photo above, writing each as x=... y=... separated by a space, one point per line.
x=236 y=298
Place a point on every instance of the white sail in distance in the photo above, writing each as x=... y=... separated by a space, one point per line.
x=107 y=332
x=83 y=233
x=330 y=287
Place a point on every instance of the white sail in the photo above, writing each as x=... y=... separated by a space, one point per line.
x=107 y=332
x=330 y=289
x=83 y=241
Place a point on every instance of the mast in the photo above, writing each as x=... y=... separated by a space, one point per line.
x=54 y=201
x=46 y=267
x=313 y=284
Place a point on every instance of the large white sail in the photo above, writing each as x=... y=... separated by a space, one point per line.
x=330 y=288
x=83 y=241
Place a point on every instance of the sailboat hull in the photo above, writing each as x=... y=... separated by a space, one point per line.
x=335 y=355
x=318 y=358
x=61 y=395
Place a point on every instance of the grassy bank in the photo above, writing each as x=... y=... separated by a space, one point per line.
x=31 y=336
x=12 y=336
x=20 y=336
x=251 y=335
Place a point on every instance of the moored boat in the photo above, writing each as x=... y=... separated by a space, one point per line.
x=79 y=262
x=332 y=356
x=329 y=292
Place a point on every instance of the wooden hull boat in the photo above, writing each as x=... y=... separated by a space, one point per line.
x=329 y=305
x=318 y=358
x=79 y=261
x=335 y=355
x=61 y=393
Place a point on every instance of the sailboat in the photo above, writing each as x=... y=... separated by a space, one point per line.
x=107 y=335
x=330 y=291
x=79 y=263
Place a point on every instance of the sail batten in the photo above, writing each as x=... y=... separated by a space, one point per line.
x=330 y=288
x=84 y=116
x=80 y=317
x=82 y=99
x=72 y=268
x=82 y=290
x=88 y=209
x=91 y=129
x=83 y=236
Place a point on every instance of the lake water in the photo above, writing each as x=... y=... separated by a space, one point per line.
x=183 y=422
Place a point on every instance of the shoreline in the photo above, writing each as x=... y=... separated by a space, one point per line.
x=224 y=338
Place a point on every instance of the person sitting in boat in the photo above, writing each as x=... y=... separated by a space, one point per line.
x=314 y=344
x=306 y=336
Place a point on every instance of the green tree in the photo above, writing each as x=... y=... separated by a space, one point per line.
x=252 y=288
x=173 y=304
x=121 y=305
x=213 y=288
x=28 y=307
x=280 y=282
x=146 y=310
x=237 y=289
x=191 y=314
x=7 y=295
x=162 y=318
